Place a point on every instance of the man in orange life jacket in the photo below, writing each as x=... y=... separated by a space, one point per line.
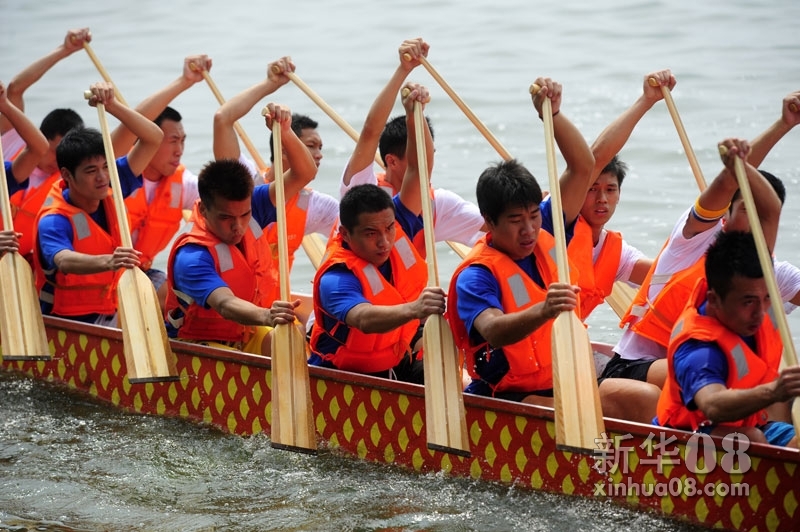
x=27 y=202
x=505 y=295
x=725 y=352
x=370 y=292
x=168 y=188
x=455 y=219
x=78 y=245
x=223 y=284
x=24 y=163
x=307 y=212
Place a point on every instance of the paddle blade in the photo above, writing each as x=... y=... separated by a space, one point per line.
x=314 y=247
x=22 y=329
x=579 y=418
x=148 y=355
x=445 y=419
x=292 y=412
x=620 y=298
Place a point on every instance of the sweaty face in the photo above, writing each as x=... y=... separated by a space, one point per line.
x=313 y=142
x=373 y=237
x=743 y=308
x=90 y=181
x=516 y=231
x=601 y=200
x=168 y=156
x=227 y=219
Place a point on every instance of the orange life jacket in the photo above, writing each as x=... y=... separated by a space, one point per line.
x=746 y=368
x=249 y=275
x=25 y=205
x=386 y=185
x=596 y=279
x=80 y=294
x=529 y=360
x=657 y=318
x=371 y=353
x=157 y=222
x=296 y=215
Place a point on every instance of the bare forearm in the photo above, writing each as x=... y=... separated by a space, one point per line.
x=33 y=73
x=145 y=130
x=733 y=405
x=226 y=144
x=507 y=329
x=616 y=134
x=763 y=143
x=577 y=177
x=378 y=319
x=82 y=263
x=243 y=312
x=301 y=164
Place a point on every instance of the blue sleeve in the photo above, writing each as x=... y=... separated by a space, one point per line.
x=128 y=181
x=477 y=290
x=410 y=222
x=340 y=291
x=11 y=181
x=264 y=211
x=54 y=234
x=195 y=274
x=698 y=364
x=546 y=208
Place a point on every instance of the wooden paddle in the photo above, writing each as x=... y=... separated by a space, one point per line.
x=768 y=268
x=103 y=73
x=292 y=414
x=687 y=147
x=579 y=417
x=148 y=355
x=21 y=325
x=445 y=417
x=313 y=245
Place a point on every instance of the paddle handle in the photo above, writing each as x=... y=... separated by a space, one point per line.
x=116 y=188
x=765 y=259
x=793 y=107
x=280 y=204
x=103 y=72
x=676 y=119
x=248 y=144
x=327 y=109
x=5 y=201
x=463 y=106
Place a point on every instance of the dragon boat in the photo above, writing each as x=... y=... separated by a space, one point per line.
x=715 y=483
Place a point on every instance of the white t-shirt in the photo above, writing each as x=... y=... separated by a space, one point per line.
x=12 y=143
x=628 y=257
x=455 y=219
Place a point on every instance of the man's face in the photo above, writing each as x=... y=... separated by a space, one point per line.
x=742 y=310
x=313 y=142
x=737 y=217
x=373 y=237
x=168 y=156
x=90 y=181
x=601 y=200
x=227 y=220
x=516 y=231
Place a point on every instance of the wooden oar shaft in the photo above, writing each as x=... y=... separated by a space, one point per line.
x=236 y=126
x=424 y=187
x=765 y=259
x=280 y=202
x=103 y=72
x=464 y=108
x=5 y=201
x=687 y=147
x=328 y=110
x=559 y=232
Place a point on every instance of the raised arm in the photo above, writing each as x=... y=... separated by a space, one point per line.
x=616 y=134
x=146 y=131
x=577 y=176
x=226 y=144
x=790 y=117
x=410 y=193
x=152 y=106
x=35 y=142
x=378 y=115
x=22 y=81
x=302 y=168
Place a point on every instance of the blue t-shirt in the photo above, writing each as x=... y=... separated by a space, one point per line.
x=193 y=270
x=55 y=230
x=340 y=290
x=11 y=182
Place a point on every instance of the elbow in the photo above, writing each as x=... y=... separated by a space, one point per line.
x=221 y=118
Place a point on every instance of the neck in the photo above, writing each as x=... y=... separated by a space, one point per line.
x=85 y=204
x=151 y=174
x=596 y=232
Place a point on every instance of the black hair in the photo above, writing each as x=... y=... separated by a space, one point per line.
x=618 y=168
x=394 y=137
x=168 y=114
x=732 y=253
x=59 y=122
x=503 y=185
x=362 y=199
x=224 y=178
x=78 y=145
x=777 y=186
x=299 y=123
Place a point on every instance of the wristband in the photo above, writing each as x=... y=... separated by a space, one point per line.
x=554 y=115
x=706 y=215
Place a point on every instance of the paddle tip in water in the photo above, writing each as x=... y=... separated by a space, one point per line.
x=534 y=88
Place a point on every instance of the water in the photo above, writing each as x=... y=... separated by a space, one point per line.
x=89 y=468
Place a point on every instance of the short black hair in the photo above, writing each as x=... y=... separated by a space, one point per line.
x=732 y=253
x=224 y=178
x=616 y=167
x=362 y=199
x=777 y=186
x=503 y=185
x=59 y=122
x=168 y=114
x=299 y=123
x=394 y=137
x=79 y=144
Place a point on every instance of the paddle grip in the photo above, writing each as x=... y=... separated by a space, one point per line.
x=265 y=111
x=653 y=82
x=534 y=88
x=793 y=107
x=87 y=94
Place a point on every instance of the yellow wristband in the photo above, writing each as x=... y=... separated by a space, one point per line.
x=707 y=214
